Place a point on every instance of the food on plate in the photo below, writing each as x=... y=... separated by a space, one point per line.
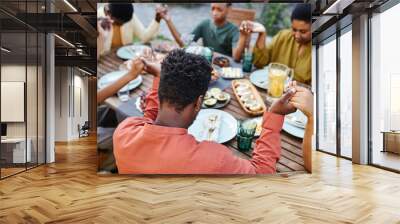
x=250 y=102
x=245 y=92
x=210 y=102
x=214 y=75
x=248 y=97
x=232 y=73
x=221 y=61
x=222 y=97
x=214 y=96
x=242 y=85
x=255 y=107
x=215 y=91
x=207 y=96
x=164 y=46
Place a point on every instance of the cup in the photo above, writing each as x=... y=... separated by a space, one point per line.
x=247 y=61
x=278 y=78
x=245 y=135
x=208 y=54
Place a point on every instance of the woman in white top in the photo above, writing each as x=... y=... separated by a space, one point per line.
x=118 y=25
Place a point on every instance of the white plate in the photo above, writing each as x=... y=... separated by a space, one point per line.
x=131 y=51
x=260 y=78
x=223 y=74
x=295 y=128
x=297 y=119
x=199 y=50
x=111 y=77
x=227 y=129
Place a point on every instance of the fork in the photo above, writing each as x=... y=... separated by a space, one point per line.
x=210 y=131
x=212 y=126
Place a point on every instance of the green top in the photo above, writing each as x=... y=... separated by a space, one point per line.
x=220 y=39
x=283 y=49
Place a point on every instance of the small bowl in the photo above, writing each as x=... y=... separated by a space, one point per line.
x=210 y=102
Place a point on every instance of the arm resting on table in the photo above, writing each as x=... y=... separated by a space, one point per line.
x=113 y=88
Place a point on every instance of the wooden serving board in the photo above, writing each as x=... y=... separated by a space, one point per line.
x=256 y=95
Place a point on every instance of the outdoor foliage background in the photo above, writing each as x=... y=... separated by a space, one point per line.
x=275 y=16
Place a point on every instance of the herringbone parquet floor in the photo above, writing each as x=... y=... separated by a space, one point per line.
x=70 y=191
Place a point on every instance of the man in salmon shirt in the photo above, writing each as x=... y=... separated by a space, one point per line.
x=159 y=143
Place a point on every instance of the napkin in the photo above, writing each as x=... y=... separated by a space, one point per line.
x=207 y=124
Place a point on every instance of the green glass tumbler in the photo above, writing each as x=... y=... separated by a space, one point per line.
x=245 y=135
x=247 y=62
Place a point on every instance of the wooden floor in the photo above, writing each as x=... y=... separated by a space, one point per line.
x=70 y=191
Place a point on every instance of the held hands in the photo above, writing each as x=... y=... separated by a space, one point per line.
x=162 y=13
x=134 y=67
x=151 y=67
x=296 y=97
x=247 y=27
x=303 y=100
x=137 y=66
x=282 y=106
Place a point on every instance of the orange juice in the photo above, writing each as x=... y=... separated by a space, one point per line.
x=276 y=83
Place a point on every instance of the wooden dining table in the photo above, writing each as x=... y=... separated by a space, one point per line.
x=291 y=159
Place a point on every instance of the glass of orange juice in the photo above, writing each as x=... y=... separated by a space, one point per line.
x=279 y=76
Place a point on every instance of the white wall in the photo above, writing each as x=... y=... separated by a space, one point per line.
x=71 y=94
x=12 y=73
x=33 y=127
x=61 y=103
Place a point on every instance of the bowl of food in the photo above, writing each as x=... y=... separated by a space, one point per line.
x=216 y=98
x=222 y=97
x=210 y=102
x=207 y=95
x=248 y=97
x=221 y=61
x=215 y=91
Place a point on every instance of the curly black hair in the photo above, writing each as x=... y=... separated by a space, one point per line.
x=184 y=77
x=121 y=11
x=302 y=12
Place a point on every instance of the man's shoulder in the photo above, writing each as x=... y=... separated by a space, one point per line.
x=232 y=26
x=205 y=23
x=133 y=122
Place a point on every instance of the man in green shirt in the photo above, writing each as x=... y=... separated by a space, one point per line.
x=217 y=33
x=291 y=47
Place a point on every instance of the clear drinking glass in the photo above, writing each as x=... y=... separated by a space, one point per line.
x=278 y=78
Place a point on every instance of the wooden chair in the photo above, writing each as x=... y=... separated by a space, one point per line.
x=237 y=15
